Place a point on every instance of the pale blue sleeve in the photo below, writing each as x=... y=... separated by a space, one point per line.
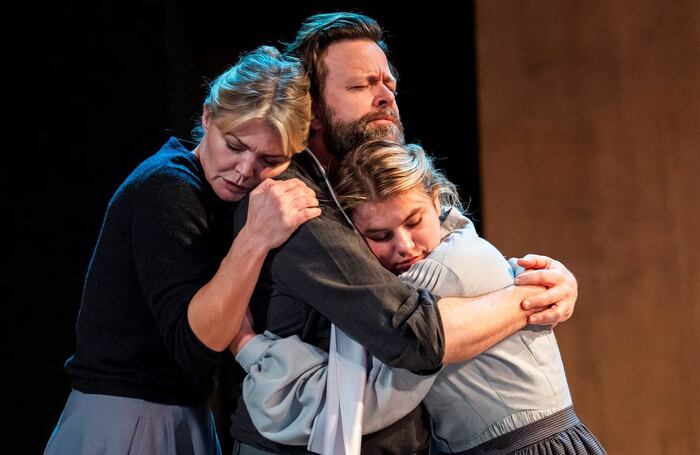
x=285 y=386
x=391 y=393
x=286 y=383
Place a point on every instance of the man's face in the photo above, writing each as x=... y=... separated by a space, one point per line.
x=358 y=102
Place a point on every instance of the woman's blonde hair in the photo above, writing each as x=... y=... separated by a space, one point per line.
x=379 y=170
x=263 y=85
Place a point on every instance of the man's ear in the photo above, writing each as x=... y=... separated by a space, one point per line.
x=316 y=123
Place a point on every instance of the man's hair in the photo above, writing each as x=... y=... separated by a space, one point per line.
x=320 y=31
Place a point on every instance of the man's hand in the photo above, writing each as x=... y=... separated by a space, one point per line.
x=561 y=293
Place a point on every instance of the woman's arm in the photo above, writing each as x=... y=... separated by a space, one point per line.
x=275 y=211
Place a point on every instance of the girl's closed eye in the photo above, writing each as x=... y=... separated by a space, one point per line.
x=379 y=237
x=414 y=222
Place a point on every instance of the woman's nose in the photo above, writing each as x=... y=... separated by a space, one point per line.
x=246 y=165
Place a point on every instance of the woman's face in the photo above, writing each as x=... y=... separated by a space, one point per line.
x=236 y=160
x=400 y=230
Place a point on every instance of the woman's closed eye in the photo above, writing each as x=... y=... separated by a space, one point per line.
x=235 y=147
x=274 y=161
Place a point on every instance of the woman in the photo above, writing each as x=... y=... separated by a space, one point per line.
x=513 y=398
x=167 y=286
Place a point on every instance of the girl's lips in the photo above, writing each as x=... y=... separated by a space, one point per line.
x=404 y=265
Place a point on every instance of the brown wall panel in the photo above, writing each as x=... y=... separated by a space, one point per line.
x=590 y=153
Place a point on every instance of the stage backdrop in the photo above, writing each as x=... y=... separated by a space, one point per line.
x=590 y=152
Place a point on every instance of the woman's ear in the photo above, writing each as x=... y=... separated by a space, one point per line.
x=206 y=118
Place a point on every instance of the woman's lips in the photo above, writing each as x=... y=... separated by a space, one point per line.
x=234 y=187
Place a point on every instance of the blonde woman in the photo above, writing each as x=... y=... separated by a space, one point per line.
x=167 y=286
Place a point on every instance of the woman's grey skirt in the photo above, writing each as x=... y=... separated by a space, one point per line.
x=106 y=425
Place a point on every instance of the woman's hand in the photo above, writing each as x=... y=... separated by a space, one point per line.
x=277 y=208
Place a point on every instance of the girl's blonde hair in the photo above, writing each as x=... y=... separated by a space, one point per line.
x=379 y=170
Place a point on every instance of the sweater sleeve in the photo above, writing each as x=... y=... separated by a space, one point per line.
x=174 y=257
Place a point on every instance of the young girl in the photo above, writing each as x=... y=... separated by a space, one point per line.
x=512 y=398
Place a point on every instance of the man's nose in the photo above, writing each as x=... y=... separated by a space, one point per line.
x=384 y=96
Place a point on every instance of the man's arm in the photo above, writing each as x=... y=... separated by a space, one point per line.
x=548 y=294
x=464 y=264
x=473 y=325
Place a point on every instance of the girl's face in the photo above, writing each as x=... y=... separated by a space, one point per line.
x=402 y=229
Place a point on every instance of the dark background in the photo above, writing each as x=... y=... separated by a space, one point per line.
x=96 y=87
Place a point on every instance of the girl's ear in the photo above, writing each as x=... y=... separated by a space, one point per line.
x=436 y=201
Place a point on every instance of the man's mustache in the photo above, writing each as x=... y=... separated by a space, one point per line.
x=391 y=115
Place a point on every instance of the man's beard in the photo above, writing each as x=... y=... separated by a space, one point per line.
x=341 y=137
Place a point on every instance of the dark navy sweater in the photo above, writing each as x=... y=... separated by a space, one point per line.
x=162 y=239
